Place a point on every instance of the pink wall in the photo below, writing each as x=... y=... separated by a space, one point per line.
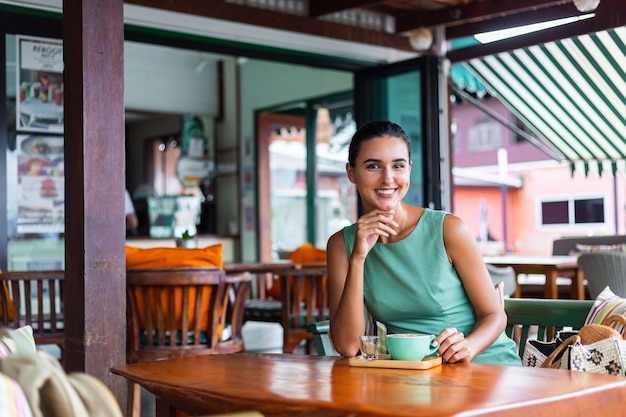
x=557 y=182
x=541 y=177
x=525 y=235
x=466 y=202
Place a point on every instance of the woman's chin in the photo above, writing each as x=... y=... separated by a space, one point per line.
x=386 y=205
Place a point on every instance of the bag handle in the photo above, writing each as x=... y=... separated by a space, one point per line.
x=554 y=359
x=615 y=320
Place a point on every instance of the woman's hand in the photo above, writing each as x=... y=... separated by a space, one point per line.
x=369 y=227
x=453 y=346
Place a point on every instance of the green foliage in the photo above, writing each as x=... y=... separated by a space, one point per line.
x=187 y=236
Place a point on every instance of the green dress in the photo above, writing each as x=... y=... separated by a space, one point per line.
x=411 y=287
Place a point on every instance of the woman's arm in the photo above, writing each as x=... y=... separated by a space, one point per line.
x=345 y=297
x=345 y=279
x=465 y=256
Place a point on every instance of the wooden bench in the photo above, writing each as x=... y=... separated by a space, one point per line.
x=526 y=317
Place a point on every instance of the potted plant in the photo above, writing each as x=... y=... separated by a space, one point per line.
x=187 y=240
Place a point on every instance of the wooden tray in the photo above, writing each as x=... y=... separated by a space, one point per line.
x=385 y=361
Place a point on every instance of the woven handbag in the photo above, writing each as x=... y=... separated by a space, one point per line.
x=598 y=348
x=607 y=356
x=536 y=352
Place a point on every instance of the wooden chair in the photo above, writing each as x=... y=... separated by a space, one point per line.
x=178 y=312
x=304 y=301
x=261 y=306
x=34 y=298
x=543 y=316
x=526 y=316
x=237 y=291
x=305 y=279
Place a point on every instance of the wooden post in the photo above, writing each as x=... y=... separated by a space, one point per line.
x=95 y=301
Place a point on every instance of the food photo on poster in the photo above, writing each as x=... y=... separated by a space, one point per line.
x=41 y=193
x=39 y=105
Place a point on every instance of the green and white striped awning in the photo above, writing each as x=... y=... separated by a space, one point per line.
x=571 y=92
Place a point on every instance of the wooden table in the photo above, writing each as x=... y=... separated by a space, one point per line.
x=256 y=267
x=550 y=266
x=307 y=385
x=262 y=269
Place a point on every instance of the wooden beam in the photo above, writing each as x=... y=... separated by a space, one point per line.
x=321 y=8
x=602 y=21
x=472 y=12
x=526 y=18
x=95 y=267
x=280 y=21
x=520 y=19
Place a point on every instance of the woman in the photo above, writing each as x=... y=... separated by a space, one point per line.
x=416 y=270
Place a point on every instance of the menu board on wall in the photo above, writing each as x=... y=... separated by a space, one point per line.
x=41 y=190
x=39 y=103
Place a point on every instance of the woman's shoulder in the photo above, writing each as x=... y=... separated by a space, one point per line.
x=454 y=227
x=335 y=239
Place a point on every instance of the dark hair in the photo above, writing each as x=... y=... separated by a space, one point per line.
x=375 y=129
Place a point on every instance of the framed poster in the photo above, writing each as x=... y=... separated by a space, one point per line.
x=39 y=104
x=41 y=190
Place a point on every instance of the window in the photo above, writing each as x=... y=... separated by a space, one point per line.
x=485 y=135
x=572 y=211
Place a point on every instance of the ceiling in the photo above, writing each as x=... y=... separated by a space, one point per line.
x=387 y=23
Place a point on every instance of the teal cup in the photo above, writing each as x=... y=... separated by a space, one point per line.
x=410 y=347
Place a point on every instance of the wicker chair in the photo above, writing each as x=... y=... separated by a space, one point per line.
x=602 y=269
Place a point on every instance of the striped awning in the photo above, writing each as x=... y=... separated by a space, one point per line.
x=571 y=92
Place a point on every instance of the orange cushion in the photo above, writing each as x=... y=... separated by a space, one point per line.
x=173 y=257
x=5 y=287
x=305 y=254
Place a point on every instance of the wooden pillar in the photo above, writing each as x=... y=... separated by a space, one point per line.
x=94 y=299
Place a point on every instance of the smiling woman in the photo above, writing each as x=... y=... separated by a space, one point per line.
x=417 y=270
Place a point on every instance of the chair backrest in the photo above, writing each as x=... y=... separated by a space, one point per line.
x=504 y=274
x=237 y=291
x=304 y=301
x=525 y=316
x=175 y=312
x=604 y=268
x=34 y=298
x=567 y=245
x=542 y=317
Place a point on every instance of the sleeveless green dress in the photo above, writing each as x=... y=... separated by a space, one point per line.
x=411 y=287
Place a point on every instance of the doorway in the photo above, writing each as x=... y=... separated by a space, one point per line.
x=304 y=193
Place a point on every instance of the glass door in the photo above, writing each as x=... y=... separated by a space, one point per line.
x=334 y=197
x=304 y=192
x=406 y=93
